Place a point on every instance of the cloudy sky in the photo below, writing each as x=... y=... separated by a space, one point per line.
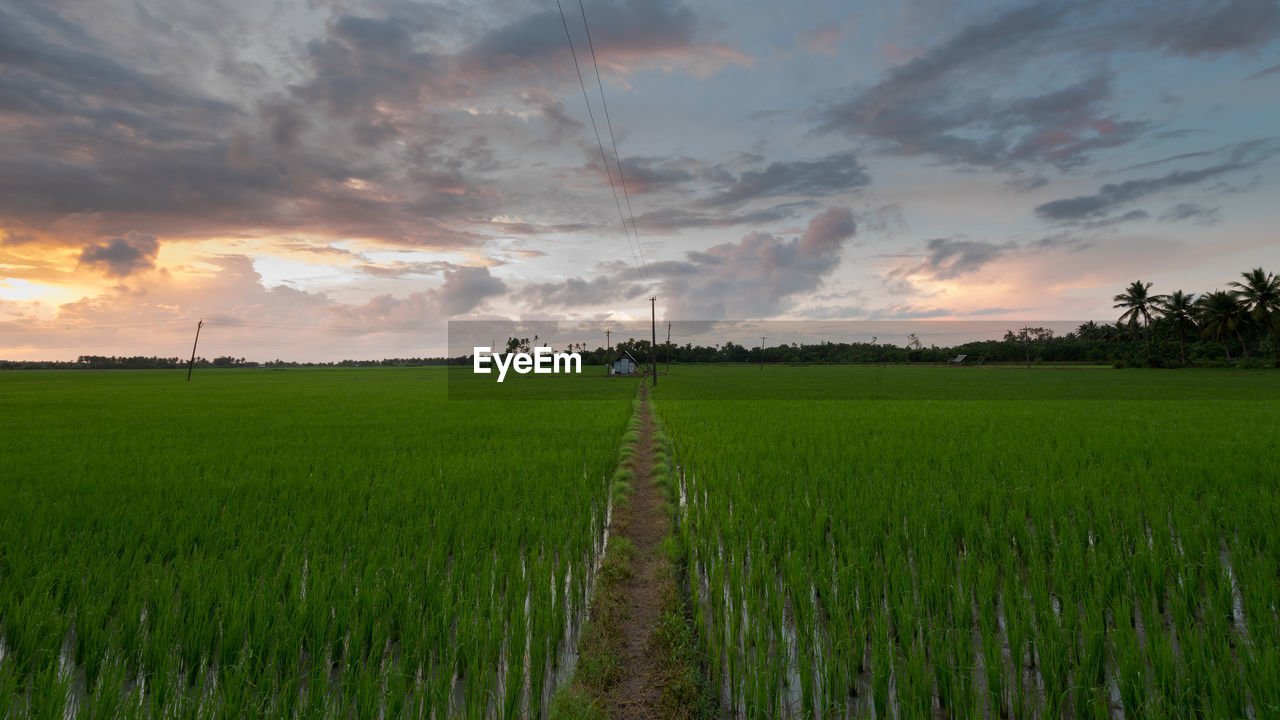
x=323 y=179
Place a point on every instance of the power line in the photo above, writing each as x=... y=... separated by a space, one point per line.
x=617 y=158
x=600 y=143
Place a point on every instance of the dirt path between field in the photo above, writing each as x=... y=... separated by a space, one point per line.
x=638 y=693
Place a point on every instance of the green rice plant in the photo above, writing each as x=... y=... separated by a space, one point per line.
x=1164 y=670
x=943 y=668
x=960 y=643
x=1130 y=663
x=881 y=664
x=283 y=544
x=1263 y=693
x=1057 y=492
x=171 y=536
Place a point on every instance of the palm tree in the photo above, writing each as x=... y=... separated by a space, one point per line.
x=1090 y=330
x=1138 y=305
x=1260 y=296
x=1220 y=315
x=1178 y=308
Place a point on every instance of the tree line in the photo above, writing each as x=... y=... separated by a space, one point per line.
x=1236 y=326
x=1245 y=317
x=132 y=362
x=140 y=362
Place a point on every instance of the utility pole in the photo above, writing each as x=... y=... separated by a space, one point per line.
x=192 y=364
x=653 y=341
x=668 y=348
x=761 y=353
x=1026 y=344
x=608 y=351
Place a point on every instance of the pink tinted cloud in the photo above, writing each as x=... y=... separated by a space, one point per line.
x=244 y=317
x=821 y=40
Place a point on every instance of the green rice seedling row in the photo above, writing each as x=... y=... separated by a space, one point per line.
x=958 y=542
x=295 y=544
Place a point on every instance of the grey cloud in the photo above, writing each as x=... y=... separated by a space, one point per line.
x=908 y=312
x=885 y=220
x=946 y=258
x=1177 y=133
x=825 y=176
x=1068 y=240
x=1078 y=207
x=912 y=108
x=1193 y=212
x=405 y=269
x=974 y=47
x=751 y=278
x=105 y=138
x=1024 y=183
x=1061 y=127
x=675 y=219
x=286 y=122
x=122 y=256
x=835 y=312
x=366 y=62
x=362 y=61
x=560 y=124
x=1215 y=27
x=619 y=30
x=646 y=174
x=108 y=142
x=51 y=68
x=465 y=288
x=105 y=134
x=755 y=276
x=950 y=258
x=576 y=292
x=1115 y=195
x=314 y=249
x=1162 y=161
x=1130 y=216
x=651 y=174
x=1222 y=187
x=1264 y=72
x=946 y=103
x=827 y=231
x=678 y=268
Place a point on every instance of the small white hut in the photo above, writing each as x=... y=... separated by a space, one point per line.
x=624 y=364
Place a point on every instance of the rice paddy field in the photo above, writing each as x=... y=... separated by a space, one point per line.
x=860 y=541
x=301 y=543
x=982 y=542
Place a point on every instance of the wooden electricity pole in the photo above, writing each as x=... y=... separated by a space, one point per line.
x=653 y=340
x=668 y=348
x=608 y=351
x=762 y=353
x=192 y=364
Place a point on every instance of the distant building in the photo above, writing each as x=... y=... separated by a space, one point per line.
x=624 y=364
